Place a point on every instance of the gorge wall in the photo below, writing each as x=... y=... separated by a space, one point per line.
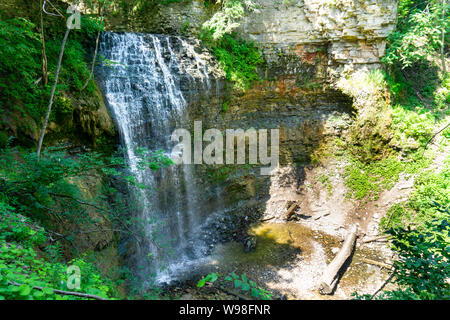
x=307 y=46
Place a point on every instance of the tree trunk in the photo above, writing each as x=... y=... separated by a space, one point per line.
x=330 y=276
x=100 y=12
x=44 y=55
x=52 y=94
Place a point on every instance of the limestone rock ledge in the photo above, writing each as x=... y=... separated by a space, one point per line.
x=348 y=32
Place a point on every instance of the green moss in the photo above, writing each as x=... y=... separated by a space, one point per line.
x=325 y=180
x=368 y=180
x=219 y=174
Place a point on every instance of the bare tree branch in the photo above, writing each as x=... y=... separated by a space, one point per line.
x=62 y=292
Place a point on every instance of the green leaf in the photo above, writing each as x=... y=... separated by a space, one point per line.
x=237 y=283
x=48 y=291
x=201 y=283
x=25 y=290
x=255 y=293
x=213 y=277
x=13 y=288
x=245 y=287
x=208 y=278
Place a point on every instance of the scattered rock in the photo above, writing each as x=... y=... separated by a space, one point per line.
x=250 y=243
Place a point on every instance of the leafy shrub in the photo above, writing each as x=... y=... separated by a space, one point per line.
x=227 y=19
x=33 y=194
x=418 y=33
x=423 y=268
x=418 y=125
x=23 y=267
x=241 y=283
x=21 y=65
x=239 y=59
x=431 y=194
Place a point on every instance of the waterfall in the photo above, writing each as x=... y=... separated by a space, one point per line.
x=145 y=79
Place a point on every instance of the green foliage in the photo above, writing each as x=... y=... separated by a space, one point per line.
x=21 y=90
x=421 y=236
x=422 y=269
x=239 y=59
x=418 y=33
x=35 y=186
x=241 y=283
x=211 y=278
x=227 y=19
x=325 y=180
x=419 y=89
x=19 y=66
x=220 y=174
x=412 y=128
x=368 y=180
x=35 y=194
x=431 y=194
x=248 y=286
x=23 y=266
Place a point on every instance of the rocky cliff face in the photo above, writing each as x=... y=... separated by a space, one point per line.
x=308 y=45
x=346 y=32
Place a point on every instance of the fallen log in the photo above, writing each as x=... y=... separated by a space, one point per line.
x=288 y=215
x=383 y=238
x=330 y=276
x=322 y=215
x=267 y=219
x=377 y=263
x=62 y=292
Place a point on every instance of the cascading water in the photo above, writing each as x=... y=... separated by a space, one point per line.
x=142 y=83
